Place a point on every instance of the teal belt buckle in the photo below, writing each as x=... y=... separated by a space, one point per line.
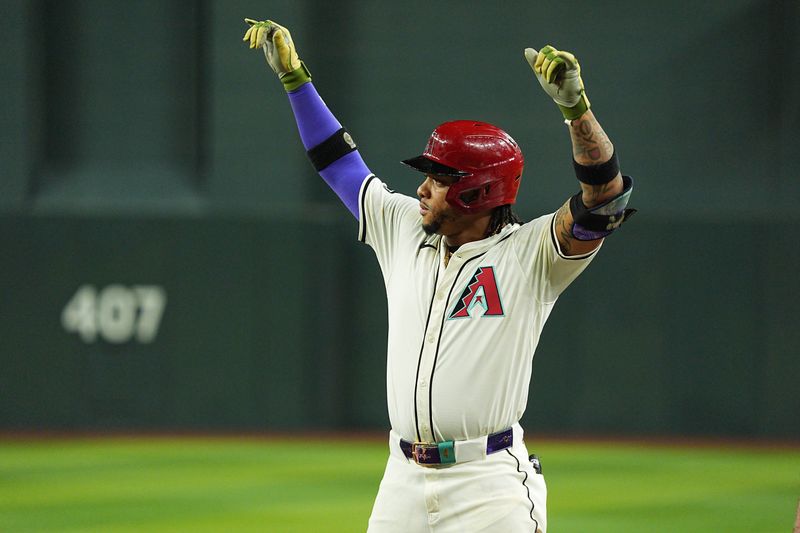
x=447 y=452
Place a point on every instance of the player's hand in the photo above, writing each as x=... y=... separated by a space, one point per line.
x=559 y=74
x=279 y=50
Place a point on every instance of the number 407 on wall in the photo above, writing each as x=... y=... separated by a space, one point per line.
x=116 y=313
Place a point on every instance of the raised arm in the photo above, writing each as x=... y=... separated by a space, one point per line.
x=329 y=146
x=589 y=216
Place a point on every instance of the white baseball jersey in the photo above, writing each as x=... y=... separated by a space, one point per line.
x=461 y=336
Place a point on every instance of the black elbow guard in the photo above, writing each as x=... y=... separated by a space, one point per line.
x=601 y=220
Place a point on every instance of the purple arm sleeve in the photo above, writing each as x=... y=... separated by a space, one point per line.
x=316 y=123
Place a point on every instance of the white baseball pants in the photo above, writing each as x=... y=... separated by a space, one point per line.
x=499 y=493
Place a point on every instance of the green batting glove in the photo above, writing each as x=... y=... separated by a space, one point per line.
x=278 y=47
x=559 y=74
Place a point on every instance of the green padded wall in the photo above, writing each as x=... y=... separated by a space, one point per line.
x=147 y=153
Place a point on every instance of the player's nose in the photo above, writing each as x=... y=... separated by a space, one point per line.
x=423 y=191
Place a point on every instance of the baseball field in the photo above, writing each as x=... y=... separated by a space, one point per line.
x=117 y=484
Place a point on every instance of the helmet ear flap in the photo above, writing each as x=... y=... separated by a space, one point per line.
x=468 y=197
x=472 y=195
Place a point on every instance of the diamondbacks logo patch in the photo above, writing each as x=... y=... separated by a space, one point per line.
x=481 y=296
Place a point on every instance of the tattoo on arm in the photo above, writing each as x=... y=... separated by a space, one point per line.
x=593 y=193
x=562 y=228
x=591 y=146
x=568 y=244
x=586 y=147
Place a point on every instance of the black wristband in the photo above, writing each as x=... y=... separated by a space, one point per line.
x=331 y=149
x=597 y=174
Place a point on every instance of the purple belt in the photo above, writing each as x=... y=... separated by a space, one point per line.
x=443 y=453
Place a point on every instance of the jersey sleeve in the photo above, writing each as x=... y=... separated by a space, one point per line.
x=539 y=253
x=386 y=221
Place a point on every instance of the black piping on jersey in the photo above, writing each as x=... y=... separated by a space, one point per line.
x=429 y=242
x=422 y=348
x=558 y=248
x=439 y=340
x=524 y=484
x=362 y=201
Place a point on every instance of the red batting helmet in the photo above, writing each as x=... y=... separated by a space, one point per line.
x=486 y=160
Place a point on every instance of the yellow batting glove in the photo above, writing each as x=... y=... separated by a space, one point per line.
x=559 y=74
x=279 y=51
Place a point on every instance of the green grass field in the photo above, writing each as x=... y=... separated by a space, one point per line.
x=240 y=484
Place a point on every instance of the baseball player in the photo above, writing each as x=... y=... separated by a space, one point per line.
x=469 y=288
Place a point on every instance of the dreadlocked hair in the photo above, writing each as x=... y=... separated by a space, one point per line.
x=501 y=217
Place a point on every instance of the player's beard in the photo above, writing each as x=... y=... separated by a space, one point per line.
x=436 y=224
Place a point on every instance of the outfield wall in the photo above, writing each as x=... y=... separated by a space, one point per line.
x=170 y=259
